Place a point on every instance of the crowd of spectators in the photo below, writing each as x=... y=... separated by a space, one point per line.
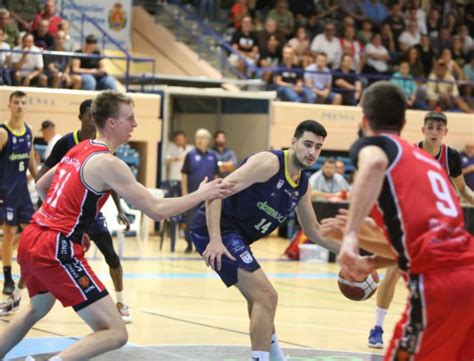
x=339 y=47
x=29 y=32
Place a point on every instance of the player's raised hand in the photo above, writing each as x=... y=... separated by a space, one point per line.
x=213 y=255
x=218 y=188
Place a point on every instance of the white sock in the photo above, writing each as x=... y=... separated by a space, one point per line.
x=276 y=354
x=380 y=314
x=120 y=297
x=55 y=358
x=17 y=293
x=260 y=356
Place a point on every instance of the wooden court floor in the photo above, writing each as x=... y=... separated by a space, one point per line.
x=175 y=300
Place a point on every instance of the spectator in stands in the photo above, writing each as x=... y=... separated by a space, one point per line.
x=284 y=17
x=300 y=45
x=318 y=78
x=458 y=51
x=92 y=70
x=238 y=11
x=354 y=9
x=270 y=56
x=175 y=154
x=24 y=11
x=289 y=82
x=270 y=28
x=245 y=43
x=340 y=167
x=453 y=68
x=301 y=9
x=5 y=61
x=469 y=75
x=427 y=54
x=444 y=40
x=49 y=13
x=404 y=80
x=442 y=89
x=375 y=11
x=377 y=58
x=199 y=163
x=396 y=21
x=9 y=27
x=348 y=41
x=226 y=159
x=48 y=131
x=326 y=183
x=409 y=37
x=313 y=26
x=57 y=67
x=467 y=162
x=69 y=43
x=347 y=82
x=417 y=14
x=328 y=11
x=389 y=41
x=346 y=22
x=413 y=58
x=327 y=43
x=450 y=23
x=466 y=39
x=365 y=34
x=433 y=24
x=27 y=66
x=43 y=39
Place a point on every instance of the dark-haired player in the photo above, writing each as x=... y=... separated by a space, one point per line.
x=424 y=225
x=268 y=187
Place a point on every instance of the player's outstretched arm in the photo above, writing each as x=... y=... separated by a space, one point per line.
x=258 y=168
x=466 y=193
x=367 y=186
x=104 y=172
x=311 y=227
x=43 y=184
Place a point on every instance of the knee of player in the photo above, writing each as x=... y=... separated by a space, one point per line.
x=113 y=260
x=269 y=297
x=121 y=336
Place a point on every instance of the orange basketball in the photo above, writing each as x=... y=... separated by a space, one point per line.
x=358 y=290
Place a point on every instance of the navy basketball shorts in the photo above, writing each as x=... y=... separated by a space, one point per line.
x=99 y=226
x=235 y=244
x=14 y=216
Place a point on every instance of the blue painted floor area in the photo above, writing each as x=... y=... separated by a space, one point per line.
x=33 y=346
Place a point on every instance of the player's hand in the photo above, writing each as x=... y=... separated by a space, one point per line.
x=124 y=220
x=352 y=264
x=369 y=228
x=86 y=242
x=218 y=188
x=332 y=228
x=213 y=255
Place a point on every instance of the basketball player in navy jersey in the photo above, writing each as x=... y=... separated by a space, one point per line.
x=51 y=252
x=434 y=130
x=268 y=187
x=424 y=225
x=98 y=232
x=16 y=156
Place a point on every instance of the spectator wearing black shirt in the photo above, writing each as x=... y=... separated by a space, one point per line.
x=396 y=22
x=269 y=28
x=270 y=56
x=433 y=24
x=427 y=54
x=346 y=82
x=244 y=42
x=289 y=80
x=57 y=69
x=43 y=39
x=92 y=70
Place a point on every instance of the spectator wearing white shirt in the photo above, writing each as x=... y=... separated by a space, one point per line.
x=327 y=43
x=48 y=130
x=175 y=155
x=377 y=57
x=5 y=61
x=27 y=66
x=409 y=37
x=326 y=183
x=318 y=78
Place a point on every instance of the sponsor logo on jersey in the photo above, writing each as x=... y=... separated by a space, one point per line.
x=14 y=140
x=84 y=281
x=246 y=257
x=268 y=210
x=197 y=157
x=280 y=183
x=18 y=156
x=72 y=161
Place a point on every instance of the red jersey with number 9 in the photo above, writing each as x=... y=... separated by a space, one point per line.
x=421 y=212
x=71 y=205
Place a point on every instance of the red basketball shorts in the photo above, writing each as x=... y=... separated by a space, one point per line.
x=438 y=323
x=51 y=263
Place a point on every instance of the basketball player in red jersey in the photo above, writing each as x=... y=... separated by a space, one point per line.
x=424 y=224
x=434 y=130
x=51 y=254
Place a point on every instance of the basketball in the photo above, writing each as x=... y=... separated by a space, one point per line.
x=358 y=290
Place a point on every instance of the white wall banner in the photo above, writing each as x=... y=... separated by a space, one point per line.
x=113 y=16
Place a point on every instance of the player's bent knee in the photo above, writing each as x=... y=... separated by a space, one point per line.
x=121 y=337
x=113 y=260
